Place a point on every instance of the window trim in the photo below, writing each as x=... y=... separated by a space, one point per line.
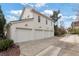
x=39 y=20
x=46 y=21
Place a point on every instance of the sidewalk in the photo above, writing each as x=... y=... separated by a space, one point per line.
x=74 y=39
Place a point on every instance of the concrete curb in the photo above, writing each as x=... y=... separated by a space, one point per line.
x=50 y=51
x=45 y=51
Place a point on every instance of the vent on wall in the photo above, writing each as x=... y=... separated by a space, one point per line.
x=40 y=27
x=26 y=25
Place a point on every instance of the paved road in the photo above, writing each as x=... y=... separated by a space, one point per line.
x=71 y=39
x=55 y=46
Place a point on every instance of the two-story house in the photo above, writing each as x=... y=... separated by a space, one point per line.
x=32 y=25
x=75 y=25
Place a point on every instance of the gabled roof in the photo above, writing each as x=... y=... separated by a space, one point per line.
x=19 y=21
x=33 y=10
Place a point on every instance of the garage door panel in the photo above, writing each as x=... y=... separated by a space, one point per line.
x=39 y=34
x=51 y=33
x=29 y=34
x=23 y=35
x=46 y=34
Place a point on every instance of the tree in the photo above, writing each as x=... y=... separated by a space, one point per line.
x=55 y=17
x=2 y=23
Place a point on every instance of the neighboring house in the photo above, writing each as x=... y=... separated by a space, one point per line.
x=75 y=25
x=31 y=26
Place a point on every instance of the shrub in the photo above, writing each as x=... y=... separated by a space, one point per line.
x=5 y=44
x=75 y=31
x=59 y=31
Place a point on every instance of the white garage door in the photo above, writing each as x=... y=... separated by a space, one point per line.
x=23 y=35
x=39 y=34
x=51 y=33
x=46 y=34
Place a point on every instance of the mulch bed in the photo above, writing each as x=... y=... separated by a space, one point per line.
x=12 y=51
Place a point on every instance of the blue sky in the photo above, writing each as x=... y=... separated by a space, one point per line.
x=12 y=11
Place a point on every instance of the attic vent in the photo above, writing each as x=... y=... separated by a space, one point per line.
x=28 y=16
x=26 y=25
x=40 y=27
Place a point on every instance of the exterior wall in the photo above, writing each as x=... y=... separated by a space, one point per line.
x=35 y=22
x=42 y=22
x=8 y=32
x=34 y=34
x=76 y=27
x=37 y=33
x=40 y=30
x=19 y=25
x=27 y=13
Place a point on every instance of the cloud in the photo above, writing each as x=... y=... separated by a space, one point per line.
x=27 y=4
x=40 y=5
x=15 y=12
x=24 y=4
x=13 y=15
x=36 y=5
x=60 y=15
x=47 y=12
x=71 y=17
x=66 y=20
x=10 y=18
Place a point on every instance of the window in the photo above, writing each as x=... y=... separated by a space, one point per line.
x=51 y=23
x=38 y=18
x=46 y=21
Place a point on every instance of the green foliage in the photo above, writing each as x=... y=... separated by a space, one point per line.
x=55 y=16
x=59 y=31
x=5 y=44
x=74 y=31
x=2 y=23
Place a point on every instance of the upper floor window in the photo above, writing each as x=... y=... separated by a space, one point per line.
x=51 y=23
x=38 y=18
x=46 y=21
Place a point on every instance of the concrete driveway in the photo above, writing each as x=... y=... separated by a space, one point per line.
x=55 y=46
x=32 y=48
